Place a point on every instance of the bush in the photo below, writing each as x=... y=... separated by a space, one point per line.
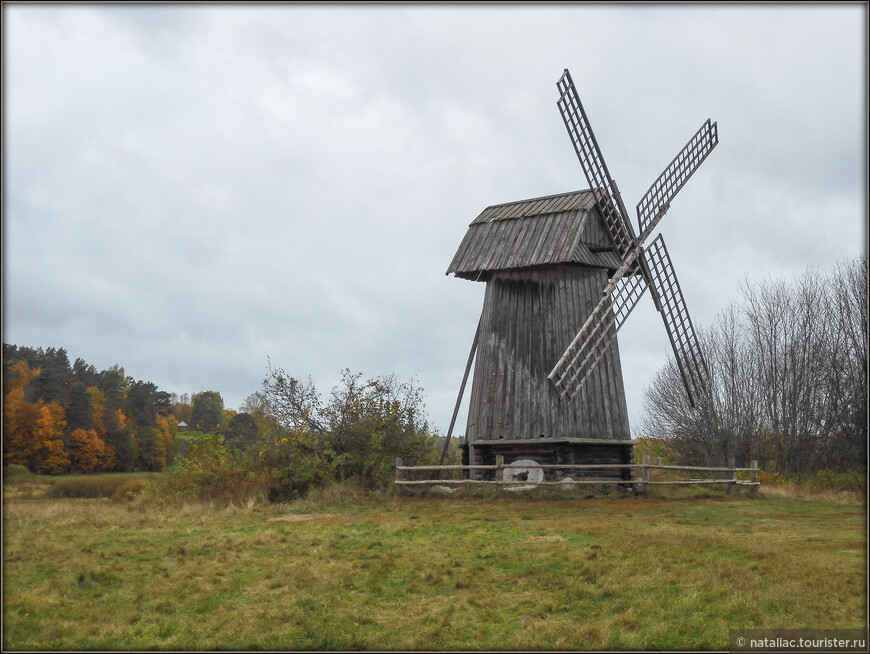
x=209 y=471
x=835 y=481
x=130 y=490
x=770 y=478
x=15 y=473
x=291 y=464
x=656 y=448
x=359 y=430
x=89 y=487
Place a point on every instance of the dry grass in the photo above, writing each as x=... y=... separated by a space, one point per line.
x=795 y=491
x=338 y=571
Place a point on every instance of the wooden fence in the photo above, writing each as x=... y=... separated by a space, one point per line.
x=642 y=483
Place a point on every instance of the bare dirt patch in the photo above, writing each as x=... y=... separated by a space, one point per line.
x=542 y=539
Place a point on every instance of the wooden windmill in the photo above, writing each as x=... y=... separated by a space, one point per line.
x=562 y=274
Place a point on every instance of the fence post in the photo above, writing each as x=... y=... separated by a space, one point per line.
x=753 y=477
x=645 y=485
x=499 y=470
x=398 y=472
x=731 y=464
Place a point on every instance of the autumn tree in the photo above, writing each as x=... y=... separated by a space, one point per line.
x=86 y=450
x=19 y=416
x=49 y=451
x=105 y=410
x=168 y=428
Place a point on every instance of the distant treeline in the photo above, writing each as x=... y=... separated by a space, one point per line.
x=59 y=417
x=788 y=365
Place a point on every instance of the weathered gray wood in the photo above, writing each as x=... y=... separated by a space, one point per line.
x=579 y=466
x=499 y=468
x=528 y=318
x=645 y=472
x=753 y=476
x=399 y=469
x=574 y=481
x=699 y=481
x=589 y=441
x=731 y=463
x=523 y=483
x=701 y=468
x=537 y=232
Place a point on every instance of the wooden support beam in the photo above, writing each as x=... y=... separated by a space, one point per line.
x=731 y=464
x=753 y=477
x=645 y=485
x=461 y=390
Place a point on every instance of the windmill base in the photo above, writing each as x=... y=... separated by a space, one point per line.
x=552 y=451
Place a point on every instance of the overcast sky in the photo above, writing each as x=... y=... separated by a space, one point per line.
x=190 y=189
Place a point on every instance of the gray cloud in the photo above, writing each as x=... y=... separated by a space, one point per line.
x=189 y=190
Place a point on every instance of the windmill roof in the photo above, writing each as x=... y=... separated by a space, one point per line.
x=556 y=229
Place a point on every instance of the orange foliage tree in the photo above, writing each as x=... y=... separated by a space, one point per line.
x=32 y=432
x=19 y=422
x=85 y=450
x=168 y=428
x=50 y=455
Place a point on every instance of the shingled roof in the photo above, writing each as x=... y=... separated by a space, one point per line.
x=557 y=229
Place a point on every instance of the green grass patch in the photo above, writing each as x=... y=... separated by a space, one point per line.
x=341 y=570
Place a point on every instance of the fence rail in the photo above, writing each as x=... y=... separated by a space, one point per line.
x=641 y=484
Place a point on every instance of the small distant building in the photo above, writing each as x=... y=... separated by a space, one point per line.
x=182 y=426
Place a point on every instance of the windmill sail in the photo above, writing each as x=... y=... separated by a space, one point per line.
x=599 y=330
x=636 y=273
x=594 y=167
x=657 y=200
x=678 y=324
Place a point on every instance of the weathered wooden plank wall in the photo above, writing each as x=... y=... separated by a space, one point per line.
x=529 y=317
x=549 y=453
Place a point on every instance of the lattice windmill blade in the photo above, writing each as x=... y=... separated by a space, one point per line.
x=657 y=200
x=594 y=338
x=600 y=182
x=678 y=324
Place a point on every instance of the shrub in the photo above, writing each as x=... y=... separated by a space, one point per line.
x=291 y=464
x=656 y=447
x=835 y=481
x=209 y=471
x=15 y=473
x=770 y=478
x=88 y=487
x=130 y=489
x=359 y=430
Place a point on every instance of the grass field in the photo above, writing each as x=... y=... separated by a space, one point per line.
x=422 y=573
